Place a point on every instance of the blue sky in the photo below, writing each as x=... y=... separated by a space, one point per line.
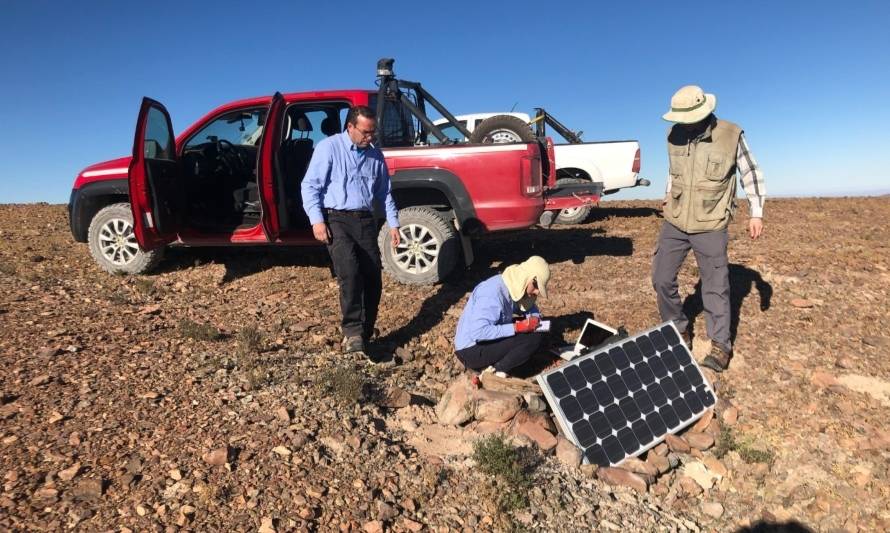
x=808 y=81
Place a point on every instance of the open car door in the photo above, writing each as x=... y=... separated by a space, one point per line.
x=156 y=188
x=269 y=180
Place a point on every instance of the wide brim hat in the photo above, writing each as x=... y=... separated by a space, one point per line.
x=690 y=105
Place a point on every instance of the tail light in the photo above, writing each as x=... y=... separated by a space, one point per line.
x=636 y=166
x=530 y=173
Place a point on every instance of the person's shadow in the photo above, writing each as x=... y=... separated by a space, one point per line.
x=492 y=256
x=741 y=281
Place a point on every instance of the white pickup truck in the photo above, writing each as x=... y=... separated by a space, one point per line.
x=615 y=164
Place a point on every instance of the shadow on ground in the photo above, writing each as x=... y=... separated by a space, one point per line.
x=741 y=281
x=493 y=255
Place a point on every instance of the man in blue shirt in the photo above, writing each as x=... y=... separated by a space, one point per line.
x=345 y=178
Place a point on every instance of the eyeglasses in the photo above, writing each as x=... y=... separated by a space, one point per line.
x=365 y=134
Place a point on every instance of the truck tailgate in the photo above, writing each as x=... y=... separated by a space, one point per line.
x=572 y=195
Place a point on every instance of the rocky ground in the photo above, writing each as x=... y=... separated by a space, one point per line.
x=211 y=396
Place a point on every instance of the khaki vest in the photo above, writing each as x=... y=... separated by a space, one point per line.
x=703 y=182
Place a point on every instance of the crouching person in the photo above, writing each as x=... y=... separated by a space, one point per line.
x=496 y=330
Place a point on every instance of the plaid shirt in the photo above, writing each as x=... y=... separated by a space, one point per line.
x=751 y=176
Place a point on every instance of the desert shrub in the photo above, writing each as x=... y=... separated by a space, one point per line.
x=190 y=329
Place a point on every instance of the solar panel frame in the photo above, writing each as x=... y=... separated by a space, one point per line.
x=609 y=434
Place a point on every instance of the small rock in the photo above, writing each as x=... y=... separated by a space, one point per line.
x=677 y=444
x=844 y=362
x=267 y=525
x=283 y=414
x=661 y=449
x=217 y=457
x=822 y=379
x=48 y=352
x=150 y=310
x=730 y=415
x=88 y=490
x=801 y=303
x=42 y=379
x=567 y=453
x=69 y=473
x=621 y=477
x=374 y=526
x=404 y=354
x=699 y=441
x=876 y=341
x=712 y=509
x=386 y=511
x=703 y=422
x=55 y=417
x=715 y=466
x=46 y=495
x=282 y=451
x=411 y=525
x=141 y=510
x=175 y=474
x=700 y=473
x=395 y=398
x=639 y=467
x=661 y=464
x=534 y=402
x=589 y=470
x=687 y=485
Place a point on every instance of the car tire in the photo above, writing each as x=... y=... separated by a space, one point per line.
x=113 y=244
x=502 y=129
x=429 y=249
x=574 y=215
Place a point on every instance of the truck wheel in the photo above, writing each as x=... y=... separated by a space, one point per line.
x=113 y=243
x=502 y=129
x=429 y=249
x=573 y=215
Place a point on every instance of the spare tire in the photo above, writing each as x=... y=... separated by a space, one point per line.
x=501 y=129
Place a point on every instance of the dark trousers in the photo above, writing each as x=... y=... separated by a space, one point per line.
x=356 y=259
x=711 y=255
x=504 y=354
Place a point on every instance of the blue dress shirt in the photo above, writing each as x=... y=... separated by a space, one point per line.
x=342 y=176
x=488 y=314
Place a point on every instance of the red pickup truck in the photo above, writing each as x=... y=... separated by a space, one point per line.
x=233 y=178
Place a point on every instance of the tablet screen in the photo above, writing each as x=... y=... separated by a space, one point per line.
x=594 y=334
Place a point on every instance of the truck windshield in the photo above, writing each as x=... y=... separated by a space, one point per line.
x=243 y=127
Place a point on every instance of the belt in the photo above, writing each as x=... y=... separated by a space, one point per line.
x=357 y=213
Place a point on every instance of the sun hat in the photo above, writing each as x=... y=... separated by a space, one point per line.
x=517 y=277
x=690 y=105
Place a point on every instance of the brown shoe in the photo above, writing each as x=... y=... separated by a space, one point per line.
x=353 y=344
x=718 y=359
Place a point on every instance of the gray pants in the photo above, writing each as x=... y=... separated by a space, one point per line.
x=710 y=254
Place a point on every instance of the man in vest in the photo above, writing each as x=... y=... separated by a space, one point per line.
x=705 y=153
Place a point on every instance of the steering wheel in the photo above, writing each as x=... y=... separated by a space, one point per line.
x=223 y=149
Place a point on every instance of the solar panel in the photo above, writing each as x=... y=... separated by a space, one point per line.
x=622 y=399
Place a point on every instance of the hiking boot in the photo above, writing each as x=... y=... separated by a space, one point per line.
x=718 y=359
x=353 y=344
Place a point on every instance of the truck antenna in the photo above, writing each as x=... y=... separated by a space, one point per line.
x=514 y=106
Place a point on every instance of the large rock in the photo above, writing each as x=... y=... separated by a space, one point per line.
x=455 y=407
x=541 y=419
x=494 y=406
x=699 y=441
x=640 y=467
x=542 y=438
x=701 y=474
x=622 y=478
x=677 y=444
x=567 y=453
